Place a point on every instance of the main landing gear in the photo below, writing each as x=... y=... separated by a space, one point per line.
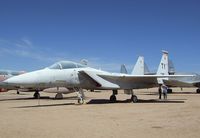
x=36 y=94
x=134 y=98
x=113 y=98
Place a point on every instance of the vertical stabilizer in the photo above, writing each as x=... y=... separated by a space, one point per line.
x=139 y=68
x=123 y=69
x=163 y=68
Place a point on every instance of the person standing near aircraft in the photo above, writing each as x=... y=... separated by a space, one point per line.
x=160 y=91
x=164 y=90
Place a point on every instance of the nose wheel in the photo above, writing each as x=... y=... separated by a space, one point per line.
x=36 y=95
x=80 y=95
x=134 y=99
x=80 y=101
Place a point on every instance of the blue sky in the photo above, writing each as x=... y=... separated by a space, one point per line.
x=36 y=33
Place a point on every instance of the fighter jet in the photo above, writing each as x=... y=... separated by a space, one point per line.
x=76 y=77
x=5 y=74
x=192 y=81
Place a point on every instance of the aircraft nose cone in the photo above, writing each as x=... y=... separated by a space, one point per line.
x=22 y=79
x=13 y=80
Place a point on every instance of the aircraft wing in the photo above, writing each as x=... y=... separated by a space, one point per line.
x=142 y=81
x=125 y=81
x=177 y=83
x=151 y=77
x=197 y=84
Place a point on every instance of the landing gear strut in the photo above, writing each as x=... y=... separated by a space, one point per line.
x=134 y=98
x=113 y=98
x=36 y=95
x=80 y=95
x=198 y=90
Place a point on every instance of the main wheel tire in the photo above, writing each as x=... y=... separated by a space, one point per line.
x=134 y=99
x=80 y=101
x=198 y=90
x=113 y=99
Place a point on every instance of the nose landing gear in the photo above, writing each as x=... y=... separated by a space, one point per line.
x=80 y=95
x=134 y=98
x=36 y=94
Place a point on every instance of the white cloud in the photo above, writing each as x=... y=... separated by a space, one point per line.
x=24 y=43
x=26 y=49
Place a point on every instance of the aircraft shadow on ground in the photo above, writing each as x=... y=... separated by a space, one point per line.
x=156 y=93
x=162 y=101
x=106 y=101
x=194 y=93
x=48 y=105
x=41 y=98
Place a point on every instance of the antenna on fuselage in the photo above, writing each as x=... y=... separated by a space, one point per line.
x=84 y=62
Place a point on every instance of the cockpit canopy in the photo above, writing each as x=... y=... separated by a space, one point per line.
x=66 y=65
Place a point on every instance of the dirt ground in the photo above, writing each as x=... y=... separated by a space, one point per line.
x=179 y=116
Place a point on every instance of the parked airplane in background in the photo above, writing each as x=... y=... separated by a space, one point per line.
x=5 y=74
x=192 y=81
x=77 y=77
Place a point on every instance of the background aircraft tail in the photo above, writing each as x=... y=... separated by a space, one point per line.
x=146 y=69
x=139 y=68
x=123 y=69
x=171 y=68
